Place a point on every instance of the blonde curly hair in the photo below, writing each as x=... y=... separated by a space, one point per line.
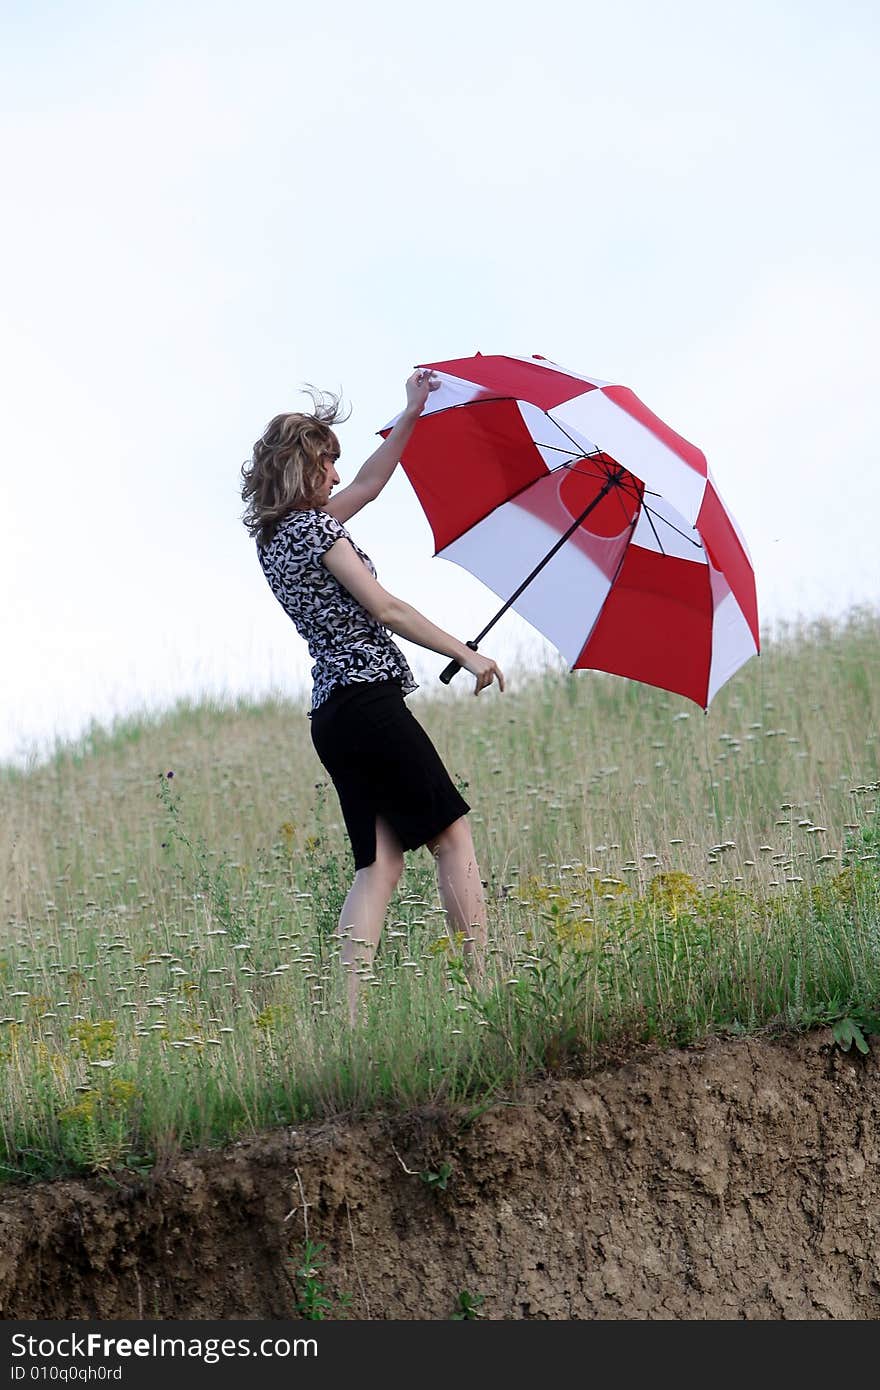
x=286 y=466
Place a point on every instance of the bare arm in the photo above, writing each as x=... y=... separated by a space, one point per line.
x=372 y=476
x=344 y=563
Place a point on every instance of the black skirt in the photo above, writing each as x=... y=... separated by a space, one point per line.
x=383 y=763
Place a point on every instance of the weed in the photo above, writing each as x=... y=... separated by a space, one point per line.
x=314 y=1301
x=846 y=1031
x=467 y=1306
x=437 y=1181
x=849 y=1023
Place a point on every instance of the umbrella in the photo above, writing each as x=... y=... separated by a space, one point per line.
x=587 y=515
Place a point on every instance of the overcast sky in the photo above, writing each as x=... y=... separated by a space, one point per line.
x=209 y=204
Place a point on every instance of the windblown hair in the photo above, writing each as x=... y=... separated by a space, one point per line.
x=285 y=469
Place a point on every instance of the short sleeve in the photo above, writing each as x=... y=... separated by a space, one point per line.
x=316 y=532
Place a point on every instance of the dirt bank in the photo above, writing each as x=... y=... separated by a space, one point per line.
x=737 y=1181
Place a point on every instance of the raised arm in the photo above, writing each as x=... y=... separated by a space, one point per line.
x=372 y=476
x=344 y=563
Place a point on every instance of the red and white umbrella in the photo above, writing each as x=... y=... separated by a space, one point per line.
x=589 y=516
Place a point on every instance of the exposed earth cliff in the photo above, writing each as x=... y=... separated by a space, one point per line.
x=739 y=1180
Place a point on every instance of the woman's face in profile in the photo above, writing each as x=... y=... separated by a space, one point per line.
x=329 y=478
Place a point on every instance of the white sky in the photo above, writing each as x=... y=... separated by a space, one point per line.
x=208 y=204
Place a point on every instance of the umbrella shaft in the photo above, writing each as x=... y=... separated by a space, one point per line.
x=603 y=492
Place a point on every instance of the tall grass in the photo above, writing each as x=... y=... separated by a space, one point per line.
x=168 y=966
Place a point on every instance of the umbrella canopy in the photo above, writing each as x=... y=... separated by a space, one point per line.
x=588 y=515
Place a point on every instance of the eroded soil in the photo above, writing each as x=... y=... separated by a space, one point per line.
x=737 y=1181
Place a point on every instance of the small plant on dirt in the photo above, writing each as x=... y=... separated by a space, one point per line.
x=846 y=1032
x=855 y=1026
x=437 y=1180
x=467 y=1306
x=314 y=1301
x=849 y=1023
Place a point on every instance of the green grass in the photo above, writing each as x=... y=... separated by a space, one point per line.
x=168 y=965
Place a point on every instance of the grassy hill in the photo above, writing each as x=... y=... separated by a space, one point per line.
x=168 y=966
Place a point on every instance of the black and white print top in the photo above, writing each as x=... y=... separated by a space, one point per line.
x=349 y=645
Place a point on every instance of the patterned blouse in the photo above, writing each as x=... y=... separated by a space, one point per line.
x=349 y=645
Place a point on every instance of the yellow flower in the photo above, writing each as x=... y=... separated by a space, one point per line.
x=83 y=1110
x=120 y=1092
x=447 y=945
x=110 y=1100
x=674 y=892
x=96 y=1041
x=576 y=932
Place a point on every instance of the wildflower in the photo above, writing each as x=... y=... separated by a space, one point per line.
x=673 y=892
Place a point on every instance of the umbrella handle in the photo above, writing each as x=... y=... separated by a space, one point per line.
x=454 y=666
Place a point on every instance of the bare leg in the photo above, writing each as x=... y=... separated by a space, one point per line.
x=461 y=891
x=363 y=912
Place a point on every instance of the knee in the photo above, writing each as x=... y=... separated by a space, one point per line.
x=389 y=866
x=455 y=839
x=382 y=876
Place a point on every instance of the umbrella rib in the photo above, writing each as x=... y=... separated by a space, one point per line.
x=598 y=474
x=583 y=458
x=571 y=441
x=647 y=512
x=685 y=537
x=626 y=514
x=574 y=453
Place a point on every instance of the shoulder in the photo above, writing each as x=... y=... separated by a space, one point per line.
x=310 y=531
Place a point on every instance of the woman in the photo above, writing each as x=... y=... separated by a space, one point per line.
x=393 y=789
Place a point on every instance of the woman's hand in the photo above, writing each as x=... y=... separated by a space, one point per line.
x=484 y=668
x=372 y=476
x=418 y=387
